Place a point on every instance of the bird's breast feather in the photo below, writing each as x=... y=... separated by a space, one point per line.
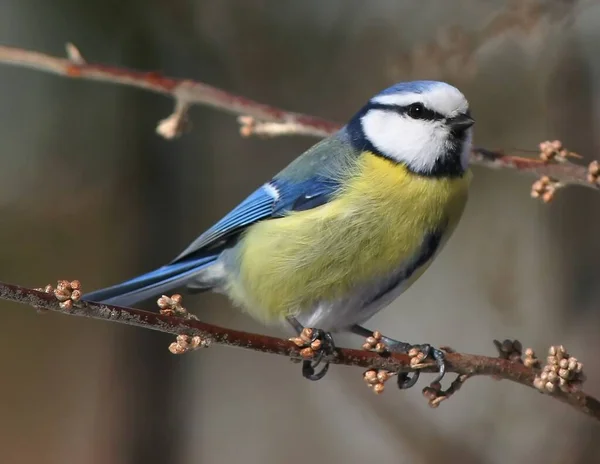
x=377 y=222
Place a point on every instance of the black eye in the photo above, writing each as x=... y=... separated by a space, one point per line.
x=416 y=111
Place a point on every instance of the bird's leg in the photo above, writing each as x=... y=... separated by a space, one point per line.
x=404 y=379
x=325 y=345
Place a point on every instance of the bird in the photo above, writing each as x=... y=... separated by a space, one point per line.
x=343 y=230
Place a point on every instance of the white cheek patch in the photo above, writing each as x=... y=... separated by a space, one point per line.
x=416 y=142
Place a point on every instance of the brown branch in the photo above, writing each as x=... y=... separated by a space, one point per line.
x=185 y=92
x=257 y=118
x=462 y=364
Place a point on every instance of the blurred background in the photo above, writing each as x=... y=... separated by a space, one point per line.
x=89 y=191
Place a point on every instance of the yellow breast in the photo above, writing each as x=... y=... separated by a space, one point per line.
x=377 y=222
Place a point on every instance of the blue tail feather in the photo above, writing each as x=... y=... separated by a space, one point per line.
x=152 y=283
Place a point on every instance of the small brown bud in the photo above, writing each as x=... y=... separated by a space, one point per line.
x=416 y=361
x=562 y=382
x=548 y=196
x=377 y=335
x=316 y=345
x=370 y=377
x=552 y=360
x=175 y=348
x=68 y=305
x=378 y=388
x=63 y=285
x=563 y=373
x=163 y=302
x=383 y=375
x=550 y=387
x=544 y=376
x=307 y=353
x=183 y=340
x=563 y=363
x=413 y=352
x=552 y=351
x=371 y=341
x=62 y=295
x=539 y=383
x=297 y=341
x=552 y=376
x=380 y=347
x=306 y=334
x=199 y=342
x=76 y=295
x=529 y=353
x=75 y=285
x=176 y=298
x=572 y=365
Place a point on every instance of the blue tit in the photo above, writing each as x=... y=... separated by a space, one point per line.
x=344 y=229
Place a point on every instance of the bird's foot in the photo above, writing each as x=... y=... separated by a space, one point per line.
x=315 y=344
x=418 y=354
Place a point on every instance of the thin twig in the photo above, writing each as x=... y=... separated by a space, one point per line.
x=185 y=92
x=566 y=173
x=257 y=118
x=462 y=364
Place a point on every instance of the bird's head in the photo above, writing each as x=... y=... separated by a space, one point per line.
x=425 y=125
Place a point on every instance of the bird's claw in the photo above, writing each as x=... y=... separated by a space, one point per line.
x=418 y=354
x=439 y=358
x=319 y=344
x=406 y=381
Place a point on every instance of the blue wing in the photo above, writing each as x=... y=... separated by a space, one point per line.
x=272 y=200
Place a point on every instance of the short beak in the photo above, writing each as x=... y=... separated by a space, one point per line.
x=460 y=122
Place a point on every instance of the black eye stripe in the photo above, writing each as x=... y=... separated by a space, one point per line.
x=427 y=114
